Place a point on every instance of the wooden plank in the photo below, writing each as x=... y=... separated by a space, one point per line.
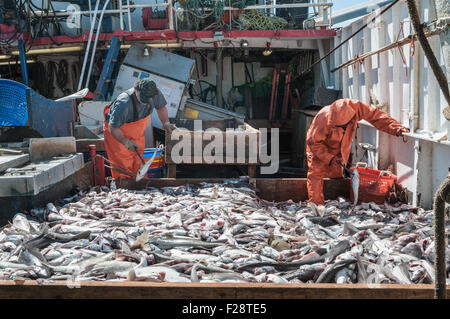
x=171 y=170
x=129 y=183
x=259 y=123
x=283 y=189
x=221 y=124
x=271 y=189
x=9 y=161
x=84 y=178
x=83 y=132
x=46 y=148
x=252 y=171
x=83 y=145
x=248 y=139
x=6 y=151
x=30 y=289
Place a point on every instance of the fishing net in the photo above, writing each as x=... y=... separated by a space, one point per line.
x=202 y=9
x=255 y=20
x=210 y=14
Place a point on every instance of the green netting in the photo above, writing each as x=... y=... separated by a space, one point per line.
x=255 y=20
x=196 y=7
x=261 y=88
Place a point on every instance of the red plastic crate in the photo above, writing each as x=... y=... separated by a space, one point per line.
x=374 y=185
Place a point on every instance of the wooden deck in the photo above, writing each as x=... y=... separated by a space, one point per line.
x=271 y=189
x=132 y=290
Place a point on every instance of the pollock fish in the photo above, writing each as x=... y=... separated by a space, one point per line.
x=217 y=232
x=355 y=186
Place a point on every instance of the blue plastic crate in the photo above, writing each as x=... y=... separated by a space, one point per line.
x=13 y=103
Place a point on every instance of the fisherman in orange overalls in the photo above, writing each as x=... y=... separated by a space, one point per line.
x=125 y=122
x=330 y=136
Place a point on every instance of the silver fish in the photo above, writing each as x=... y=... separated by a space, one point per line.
x=221 y=232
x=355 y=186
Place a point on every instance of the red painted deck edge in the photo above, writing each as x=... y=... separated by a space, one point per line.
x=170 y=34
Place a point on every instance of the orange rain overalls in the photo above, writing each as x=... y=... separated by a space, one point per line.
x=325 y=141
x=117 y=152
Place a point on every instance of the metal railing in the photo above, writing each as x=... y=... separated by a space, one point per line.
x=122 y=9
x=324 y=11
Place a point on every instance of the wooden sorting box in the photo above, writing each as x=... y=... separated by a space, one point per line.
x=238 y=144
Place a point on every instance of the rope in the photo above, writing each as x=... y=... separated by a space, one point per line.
x=442 y=195
x=116 y=167
x=61 y=75
x=400 y=50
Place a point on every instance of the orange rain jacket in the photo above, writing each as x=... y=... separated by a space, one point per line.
x=325 y=141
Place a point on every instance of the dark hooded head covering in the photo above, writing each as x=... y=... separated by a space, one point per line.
x=147 y=89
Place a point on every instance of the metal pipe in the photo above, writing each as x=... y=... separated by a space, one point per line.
x=23 y=63
x=90 y=10
x=95 y=43
x=170 y=14
x=417 y=90
x=129 y=15
x=330 y=19
x=51 y=50
x=399 y=43
x=88 y=46
x=283 y=6
x=110 y=11
x=14 y=62
x=324 y=14
x=442 y=196
x=121 y=15
x=153 y=45
x=219 y=67
x=139 y=6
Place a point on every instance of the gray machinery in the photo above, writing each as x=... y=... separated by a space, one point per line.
x=171 y=73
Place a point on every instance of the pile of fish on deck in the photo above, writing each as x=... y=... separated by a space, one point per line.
x=216 y=233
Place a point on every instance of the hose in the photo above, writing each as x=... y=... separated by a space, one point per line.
x=88 y=46
x=442 y=196
x=62 y=74
x=52 y=70
x=39 y=77
x=75 y=73
x=95 y=43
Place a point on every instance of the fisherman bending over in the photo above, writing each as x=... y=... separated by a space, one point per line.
x=330 y=136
